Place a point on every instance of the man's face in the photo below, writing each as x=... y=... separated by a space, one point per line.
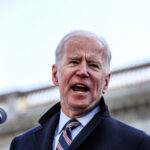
x=81 y=74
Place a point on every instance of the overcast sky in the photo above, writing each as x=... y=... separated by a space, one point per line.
x=30 y=31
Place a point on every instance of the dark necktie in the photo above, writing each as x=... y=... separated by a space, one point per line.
x=65 y=137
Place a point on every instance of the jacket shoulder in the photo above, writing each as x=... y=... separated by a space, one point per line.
x=129 y=134
x=25 y=140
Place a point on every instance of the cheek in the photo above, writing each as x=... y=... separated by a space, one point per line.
x=66 y=74
x=61 y=75
x=99 y=84
x=64 y=78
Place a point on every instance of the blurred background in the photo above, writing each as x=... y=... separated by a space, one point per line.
x=29 y=33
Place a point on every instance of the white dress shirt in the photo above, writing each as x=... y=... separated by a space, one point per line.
x=64 y=119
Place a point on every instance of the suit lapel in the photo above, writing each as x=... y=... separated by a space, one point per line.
x=44 y=136
x=87 y=130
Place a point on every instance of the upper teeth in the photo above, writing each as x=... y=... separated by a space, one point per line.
x=79 y=85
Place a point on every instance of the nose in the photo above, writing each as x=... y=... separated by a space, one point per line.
x=83 y=70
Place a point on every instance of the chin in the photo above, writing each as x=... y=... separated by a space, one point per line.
x=79 y=105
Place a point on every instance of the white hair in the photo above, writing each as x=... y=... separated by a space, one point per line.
x=58 y=50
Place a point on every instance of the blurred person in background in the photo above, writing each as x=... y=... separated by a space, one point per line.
x=81 y=120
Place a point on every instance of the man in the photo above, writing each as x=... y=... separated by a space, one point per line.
x=81 y=120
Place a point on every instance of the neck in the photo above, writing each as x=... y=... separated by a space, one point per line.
x=76 y=113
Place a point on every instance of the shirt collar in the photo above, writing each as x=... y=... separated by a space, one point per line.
x=83 y=120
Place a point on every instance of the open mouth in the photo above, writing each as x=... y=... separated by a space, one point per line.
x=80 y=88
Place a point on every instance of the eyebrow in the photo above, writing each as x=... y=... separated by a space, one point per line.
x=94 y=61
x=74 y=58
x=89 y=61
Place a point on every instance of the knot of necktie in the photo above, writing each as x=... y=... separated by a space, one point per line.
x=71 y=124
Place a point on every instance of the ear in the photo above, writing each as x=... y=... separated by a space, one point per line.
x=54 y=74
x=107 y=79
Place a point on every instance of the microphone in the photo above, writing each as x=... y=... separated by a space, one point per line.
x=3 y=115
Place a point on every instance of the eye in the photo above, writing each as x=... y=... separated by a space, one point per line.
x=74 y=62
x=94 y=66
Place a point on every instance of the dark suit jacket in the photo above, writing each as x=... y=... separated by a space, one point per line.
x=102 y=133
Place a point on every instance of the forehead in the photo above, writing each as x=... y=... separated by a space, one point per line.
x=89 y=46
